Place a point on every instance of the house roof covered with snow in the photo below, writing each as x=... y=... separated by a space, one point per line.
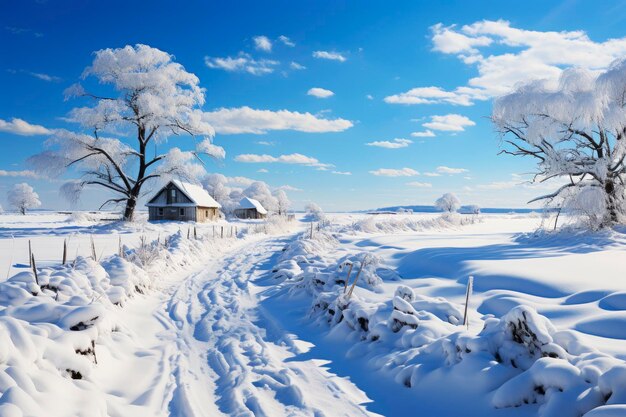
x=251 y=203
x=196 y=194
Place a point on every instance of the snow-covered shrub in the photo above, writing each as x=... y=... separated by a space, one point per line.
x=448 y=203
x=314 y=212
x=395 y=224
x=23 y=197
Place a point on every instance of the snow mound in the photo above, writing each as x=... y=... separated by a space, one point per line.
x=517 y=359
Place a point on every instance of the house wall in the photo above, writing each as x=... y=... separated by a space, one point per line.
x=205 y=214
x=189 y=214
x=248 y=214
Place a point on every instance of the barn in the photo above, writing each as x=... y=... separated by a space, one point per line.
x=249 y=208
x=183 y=201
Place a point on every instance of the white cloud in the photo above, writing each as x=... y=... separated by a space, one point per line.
x=419 y=184
x=449 y=41
x=24 y=173
x=394 y=144
x=387 y=172
x=263 y=171
x=22 y=128
x=334 y=56
x=45 y=77
x=522 y=55
x=289 y=188
x=294 y=158
x=451 y=171
x=449 y=122
x=262 y=43
x=341 y=172
x=431 y=174
x=249 y=120
x=286 y=41
x=295 y=66
x=369 y=97
x=433 y=95
x=320 y=92
x=425 y=134
x=242 y=63
x=265 y=143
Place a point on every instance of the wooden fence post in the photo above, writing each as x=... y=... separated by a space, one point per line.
x=30 y=254
x=468 y=292
x=32 y=261
x=64 y=251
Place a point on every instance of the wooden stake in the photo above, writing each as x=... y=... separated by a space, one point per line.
x=188 y=232
x=32 y=262
x=311 y=236
x=64 y=251
x=222 y=236
x=468 y=292
x=195 y=233
x=356 y=278
x=30 y=254
x=345 y=287
x=93 y=249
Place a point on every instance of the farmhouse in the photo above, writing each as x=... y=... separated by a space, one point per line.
x=250 y=208
x=184 y=202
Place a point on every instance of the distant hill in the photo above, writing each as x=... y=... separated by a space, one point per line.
x=464 y=209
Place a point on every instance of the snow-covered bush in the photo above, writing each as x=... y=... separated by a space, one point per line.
x=314 y=212
x=575 y=132
x=23 y=197
x=448 y=203
x=394 y=224
x=473 y=209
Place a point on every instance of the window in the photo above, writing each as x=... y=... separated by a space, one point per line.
x=160 y=211
x=182 y=211
x=171 y=196
x=207 y=213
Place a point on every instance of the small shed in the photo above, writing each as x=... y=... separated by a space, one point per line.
x=183 y=201
x=249 y=208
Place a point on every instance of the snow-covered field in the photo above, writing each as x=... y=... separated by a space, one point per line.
x=262 y=324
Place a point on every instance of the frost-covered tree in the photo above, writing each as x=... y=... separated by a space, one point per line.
x=448 y=203
x=23 y=197
x=314 y=211
x=473 y=209
x=260 y=191
x=146 y=98
x=282 y=201
x=576 y=133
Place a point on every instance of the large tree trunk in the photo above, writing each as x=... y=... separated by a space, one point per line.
x=129 y=211
x=611 y=202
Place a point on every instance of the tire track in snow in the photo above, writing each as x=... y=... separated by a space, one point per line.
x=215 y=313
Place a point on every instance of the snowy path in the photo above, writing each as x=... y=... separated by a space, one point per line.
x=208 y=349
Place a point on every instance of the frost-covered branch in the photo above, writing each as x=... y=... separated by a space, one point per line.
x=575 y=132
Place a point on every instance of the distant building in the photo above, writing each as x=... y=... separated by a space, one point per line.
x=183 y=201
x=249 y=208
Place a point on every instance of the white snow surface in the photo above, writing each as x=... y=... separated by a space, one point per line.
x=262 y=324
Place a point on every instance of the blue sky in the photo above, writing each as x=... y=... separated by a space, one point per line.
x=457 y=54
